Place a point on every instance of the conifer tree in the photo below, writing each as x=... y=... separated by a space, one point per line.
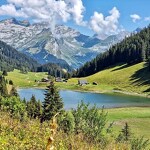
x=31 y=107
x=52 y=103
x=126 y=132
x=4 y=73
x=3 y=87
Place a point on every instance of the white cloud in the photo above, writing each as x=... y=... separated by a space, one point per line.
x=147 y=18
x=53 y=11
x=105 y=26
x=135 y=17
x=10 y=9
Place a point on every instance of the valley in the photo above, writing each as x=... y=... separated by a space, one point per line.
x=74 y=75
x=121 y=78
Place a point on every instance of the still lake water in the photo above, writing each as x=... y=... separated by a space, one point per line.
x=72 y=98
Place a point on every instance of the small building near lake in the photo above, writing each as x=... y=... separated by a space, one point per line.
x=82 y=82
x=58 y=79
x=45 y=80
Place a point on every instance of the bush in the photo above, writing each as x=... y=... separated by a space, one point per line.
x=139 y=144
x=14 y=106
x=5 y=73
x=11 y=82
x=67 y=122
x=125 y=134
x=90 y=121
x=87 y=121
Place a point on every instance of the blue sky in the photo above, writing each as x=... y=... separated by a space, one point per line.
x=127 y=14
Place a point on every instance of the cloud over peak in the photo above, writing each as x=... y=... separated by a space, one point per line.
x=105 y=26
x=135 y=17
x=52 y=11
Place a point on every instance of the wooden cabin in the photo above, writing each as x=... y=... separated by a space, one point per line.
x=82 y=82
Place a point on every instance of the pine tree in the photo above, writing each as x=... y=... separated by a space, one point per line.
x=3 y=87
x=38 y=109
x=143 y=52
x=5 y=73
x=52 y=103
x=31 y=107
x=126 y=132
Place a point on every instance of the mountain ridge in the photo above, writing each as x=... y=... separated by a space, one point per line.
x=62 y=45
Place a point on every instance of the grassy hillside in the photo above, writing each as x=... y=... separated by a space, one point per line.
x=136 y=117
x=26 y=80
x=135 y=78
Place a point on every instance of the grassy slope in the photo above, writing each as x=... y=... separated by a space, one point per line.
x=25 y=80
x=133 y=78
x=137 y=118
x=127 y=78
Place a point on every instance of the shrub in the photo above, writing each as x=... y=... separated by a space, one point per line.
x=15 y=106
x=125 y=134
x=11 y=82
x=90 y=121
x=67 y=122
x=139 y=144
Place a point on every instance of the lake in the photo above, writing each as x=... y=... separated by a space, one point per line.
x=72 y=98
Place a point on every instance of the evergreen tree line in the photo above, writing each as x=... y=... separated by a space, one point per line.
x=131 y=50
x=55 y=70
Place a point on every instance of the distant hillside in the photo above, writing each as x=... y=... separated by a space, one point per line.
x=12 y=59
x=131 y=50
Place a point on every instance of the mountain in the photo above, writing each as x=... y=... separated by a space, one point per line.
x=62 y=45
x=137 y=30
x=12 y=59
x=131 y=50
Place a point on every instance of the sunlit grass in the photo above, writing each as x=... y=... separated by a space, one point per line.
x=26 y=80
x=132 y=79
x=138 y=118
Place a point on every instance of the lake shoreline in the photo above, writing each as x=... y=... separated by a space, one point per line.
x=95 y=91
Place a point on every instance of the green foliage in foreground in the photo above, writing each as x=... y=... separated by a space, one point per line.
x=85 y=120
x=77 y=129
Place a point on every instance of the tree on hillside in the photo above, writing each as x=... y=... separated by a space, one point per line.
x=11 y=82
x=13 y=92
x=3 y=87
x=32 y=107
x=4 y=73
x=52 y=103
